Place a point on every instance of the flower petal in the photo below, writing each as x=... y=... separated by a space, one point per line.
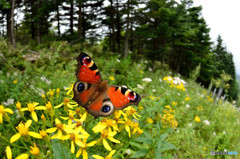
x=79 y=152
x=72 y=147
x=24 y=109
x=40 y=108
x=106 y=145
x=8 y=110
x=97 y=157
x=9 y=152
x=15 y=137
x=34 y=134
x=114 y=140
x=79 y=143
x=28 y=123
x=34 y=116
x=1 y=119
x=23 y=156
x=58 y=106
x=85 y=155
x=91 y=143
x=51 y=130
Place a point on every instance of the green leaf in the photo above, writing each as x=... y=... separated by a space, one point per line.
x=59 y=151
x=134 y=144
x=140 y=153
x=163 y=137
x=167 y=146
x=145 y=138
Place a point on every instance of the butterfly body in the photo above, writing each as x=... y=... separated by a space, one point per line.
x=94 y=94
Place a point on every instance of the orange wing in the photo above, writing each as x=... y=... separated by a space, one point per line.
x=122 y=97
x=87 y=70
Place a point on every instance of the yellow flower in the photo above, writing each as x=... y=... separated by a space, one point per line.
x=111 y=78
x=76 y=137
x=34 y=150
x=3 y=113
x=117 y=118
x=197 y=119
x=23 y=131
x=127 y=126
x=140 y=108
x=70 y=118
x=150 y=120
x=31 y=108
x=105 y=123
x=18 y=105
x=9 y=152
x=70 y=89
x=137 y=129
x=58 y=90
x=174 y=103
x=105 y=134
x=83 y=151
x=187 y=98
x=43 y=96
x=109 y=156
x=141 y=71
x=15 y=81
x=61 y=128
x=67 y=104
x=131 y=111
x=43 y=133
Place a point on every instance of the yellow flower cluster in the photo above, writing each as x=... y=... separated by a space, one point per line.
x=168 y=118
x=69 y=126
x=174 y=82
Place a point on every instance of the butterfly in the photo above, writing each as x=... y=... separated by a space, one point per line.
x=95 y=95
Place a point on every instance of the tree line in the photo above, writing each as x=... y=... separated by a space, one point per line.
x=169 y=31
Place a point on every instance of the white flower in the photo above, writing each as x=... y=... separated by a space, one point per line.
x=145 y=61
x=128 y=151
x=9 y=102
x=15 y=73
x=1 y=54
x=154 y=90
x=1 y=81
x=183 y=82
x=118 y=60
x=17 y=112
x=178 y=94
x=224 y=132
x=48 y=82
x=147 y=80
x=8 y=74
x=43 y=78
x=150 y=69
x=187 y=106
x=40 y=91
x=160 y=79
x=139 y=86
x=214 y=133
x=138 y=65
x=190 y=124
x=206 y=122
x=177 y=131
x=32 y=86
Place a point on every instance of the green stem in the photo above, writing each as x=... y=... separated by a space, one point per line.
x=17 y=132
x=50 y=148
x=11 y=143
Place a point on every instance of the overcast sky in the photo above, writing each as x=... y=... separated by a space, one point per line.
x=223 y=17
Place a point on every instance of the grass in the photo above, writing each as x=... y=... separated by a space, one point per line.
x=178 y=120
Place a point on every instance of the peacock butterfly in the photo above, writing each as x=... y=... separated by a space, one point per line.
x=92 y=93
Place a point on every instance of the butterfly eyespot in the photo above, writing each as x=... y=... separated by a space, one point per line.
x=105 y=108
x=80 y=87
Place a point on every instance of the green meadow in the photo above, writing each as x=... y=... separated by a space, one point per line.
x=176 y=118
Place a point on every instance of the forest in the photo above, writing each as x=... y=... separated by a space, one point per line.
x=159 y=48
x=164 y=31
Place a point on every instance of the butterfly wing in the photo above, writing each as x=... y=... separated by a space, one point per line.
x=87 y=70
x=122 y=97
x=88 y=77
x=82 y=92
